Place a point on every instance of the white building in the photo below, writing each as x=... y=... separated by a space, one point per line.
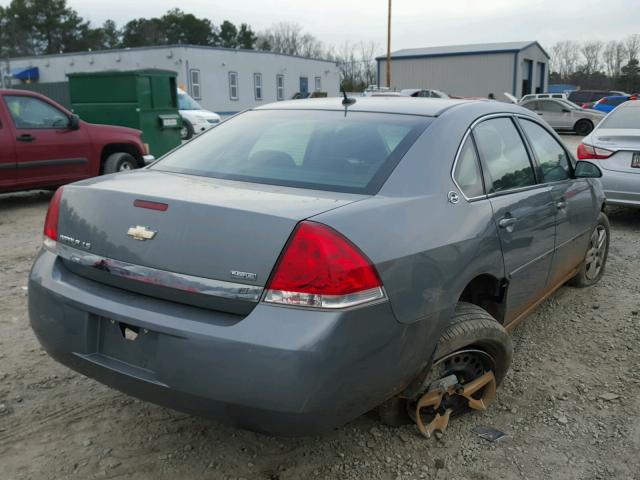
x=221 y=79
x=470 y=70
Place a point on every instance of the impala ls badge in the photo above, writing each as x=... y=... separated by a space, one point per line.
x=141 y=233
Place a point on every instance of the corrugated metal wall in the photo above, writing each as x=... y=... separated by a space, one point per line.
x=460 y=75
x=57 y=91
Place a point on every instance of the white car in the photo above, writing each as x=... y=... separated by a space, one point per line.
x=538 y=96
x=614 y=145
x=195 y=119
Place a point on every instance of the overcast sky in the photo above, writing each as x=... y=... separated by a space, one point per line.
x=416 y=23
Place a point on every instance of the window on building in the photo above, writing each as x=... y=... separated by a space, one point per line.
x=280 y=87
x=195 y=83
x=233 y=85
x=257 y=85
x=318 y=84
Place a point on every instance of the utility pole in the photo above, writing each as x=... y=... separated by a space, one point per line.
x=389 y=46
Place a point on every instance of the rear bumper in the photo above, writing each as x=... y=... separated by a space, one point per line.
x=278 y=370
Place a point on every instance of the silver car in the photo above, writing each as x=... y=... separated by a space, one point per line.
x=615 y=144
x=564 y=115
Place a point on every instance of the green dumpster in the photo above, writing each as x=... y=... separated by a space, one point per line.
x=142 y=99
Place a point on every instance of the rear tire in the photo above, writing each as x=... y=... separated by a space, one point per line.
x=592 y=267
x=583 y=127
x=186 y=132
x=470 y=327
x=119 y=162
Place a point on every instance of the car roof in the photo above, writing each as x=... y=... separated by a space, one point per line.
x=629 y=104
x=429 y=107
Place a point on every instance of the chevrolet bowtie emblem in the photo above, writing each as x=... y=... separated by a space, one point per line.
x=141 y=233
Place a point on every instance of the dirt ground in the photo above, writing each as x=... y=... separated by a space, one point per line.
x=570 y=403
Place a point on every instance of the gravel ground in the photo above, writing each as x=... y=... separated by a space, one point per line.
x=570 y=404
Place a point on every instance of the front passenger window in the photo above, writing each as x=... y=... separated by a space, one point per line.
x=503 y=155
x=552 y=157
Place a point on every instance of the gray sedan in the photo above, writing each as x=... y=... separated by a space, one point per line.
x=305 y=262
x=563 y=115
x=615 y=146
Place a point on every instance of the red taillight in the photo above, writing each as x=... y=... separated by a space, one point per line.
x=321 y=268
x=586 y=152
x=51 y=220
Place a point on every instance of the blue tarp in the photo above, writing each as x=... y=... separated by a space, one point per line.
x=561 y=88
x=26 y=74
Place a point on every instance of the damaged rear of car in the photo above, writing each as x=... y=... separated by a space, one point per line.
x=306 y=262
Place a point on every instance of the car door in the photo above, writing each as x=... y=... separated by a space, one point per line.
x=7 y=153
x=523 y=210
x=574 y=200
x=48 y=152
x=555 y=114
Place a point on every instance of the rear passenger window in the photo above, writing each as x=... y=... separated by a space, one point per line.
x=552 y=157
x=503 y=155
x=467 y=173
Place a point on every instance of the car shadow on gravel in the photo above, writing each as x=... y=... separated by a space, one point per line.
x=24 y=199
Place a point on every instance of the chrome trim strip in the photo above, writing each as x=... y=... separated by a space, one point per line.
x=162 y=278
x=459 y=151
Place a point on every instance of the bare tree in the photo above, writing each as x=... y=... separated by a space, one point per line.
x=591 y=51
x=565 y=57
x=614 y=55
x=287 y=37
x=632 y=44
x=357 y=64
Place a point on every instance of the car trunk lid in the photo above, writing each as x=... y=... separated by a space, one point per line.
x=625 y=143
x=214 y=237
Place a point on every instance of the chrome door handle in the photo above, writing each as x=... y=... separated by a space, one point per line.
x=561 y=205
x=507 y=223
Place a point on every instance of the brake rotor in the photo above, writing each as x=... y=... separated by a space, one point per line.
x=457 y=382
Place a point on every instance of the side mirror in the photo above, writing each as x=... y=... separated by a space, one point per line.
x=74 y=122
x=586 y=169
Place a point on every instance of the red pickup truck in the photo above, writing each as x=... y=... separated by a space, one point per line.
x=43 y=145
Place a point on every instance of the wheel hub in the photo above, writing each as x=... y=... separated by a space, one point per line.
x=460 y=381
x=596 y=252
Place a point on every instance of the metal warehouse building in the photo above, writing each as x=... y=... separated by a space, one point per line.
x=223 y=80
x=470 y=70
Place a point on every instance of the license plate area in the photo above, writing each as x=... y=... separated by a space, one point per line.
x=128 y=343
x=635 y=160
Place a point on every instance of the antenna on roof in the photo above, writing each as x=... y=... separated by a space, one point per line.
x=347 y=100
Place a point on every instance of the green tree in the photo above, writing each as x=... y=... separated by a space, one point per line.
x=111 y=36
x=630 y=77
x=227 y=36
x=186 y=28
x=246 y=38
x=143 y=32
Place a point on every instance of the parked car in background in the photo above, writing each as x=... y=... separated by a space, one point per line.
x=615 y=146
x=195 y=119
x=43 y=145
x=307 y=261
x=537 y=96
x=585 y=98
x=563 y=116
x=606 y=104
x=420 y=92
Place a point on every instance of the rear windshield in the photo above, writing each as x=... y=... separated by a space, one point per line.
x=326 y=150
x=622 y=118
